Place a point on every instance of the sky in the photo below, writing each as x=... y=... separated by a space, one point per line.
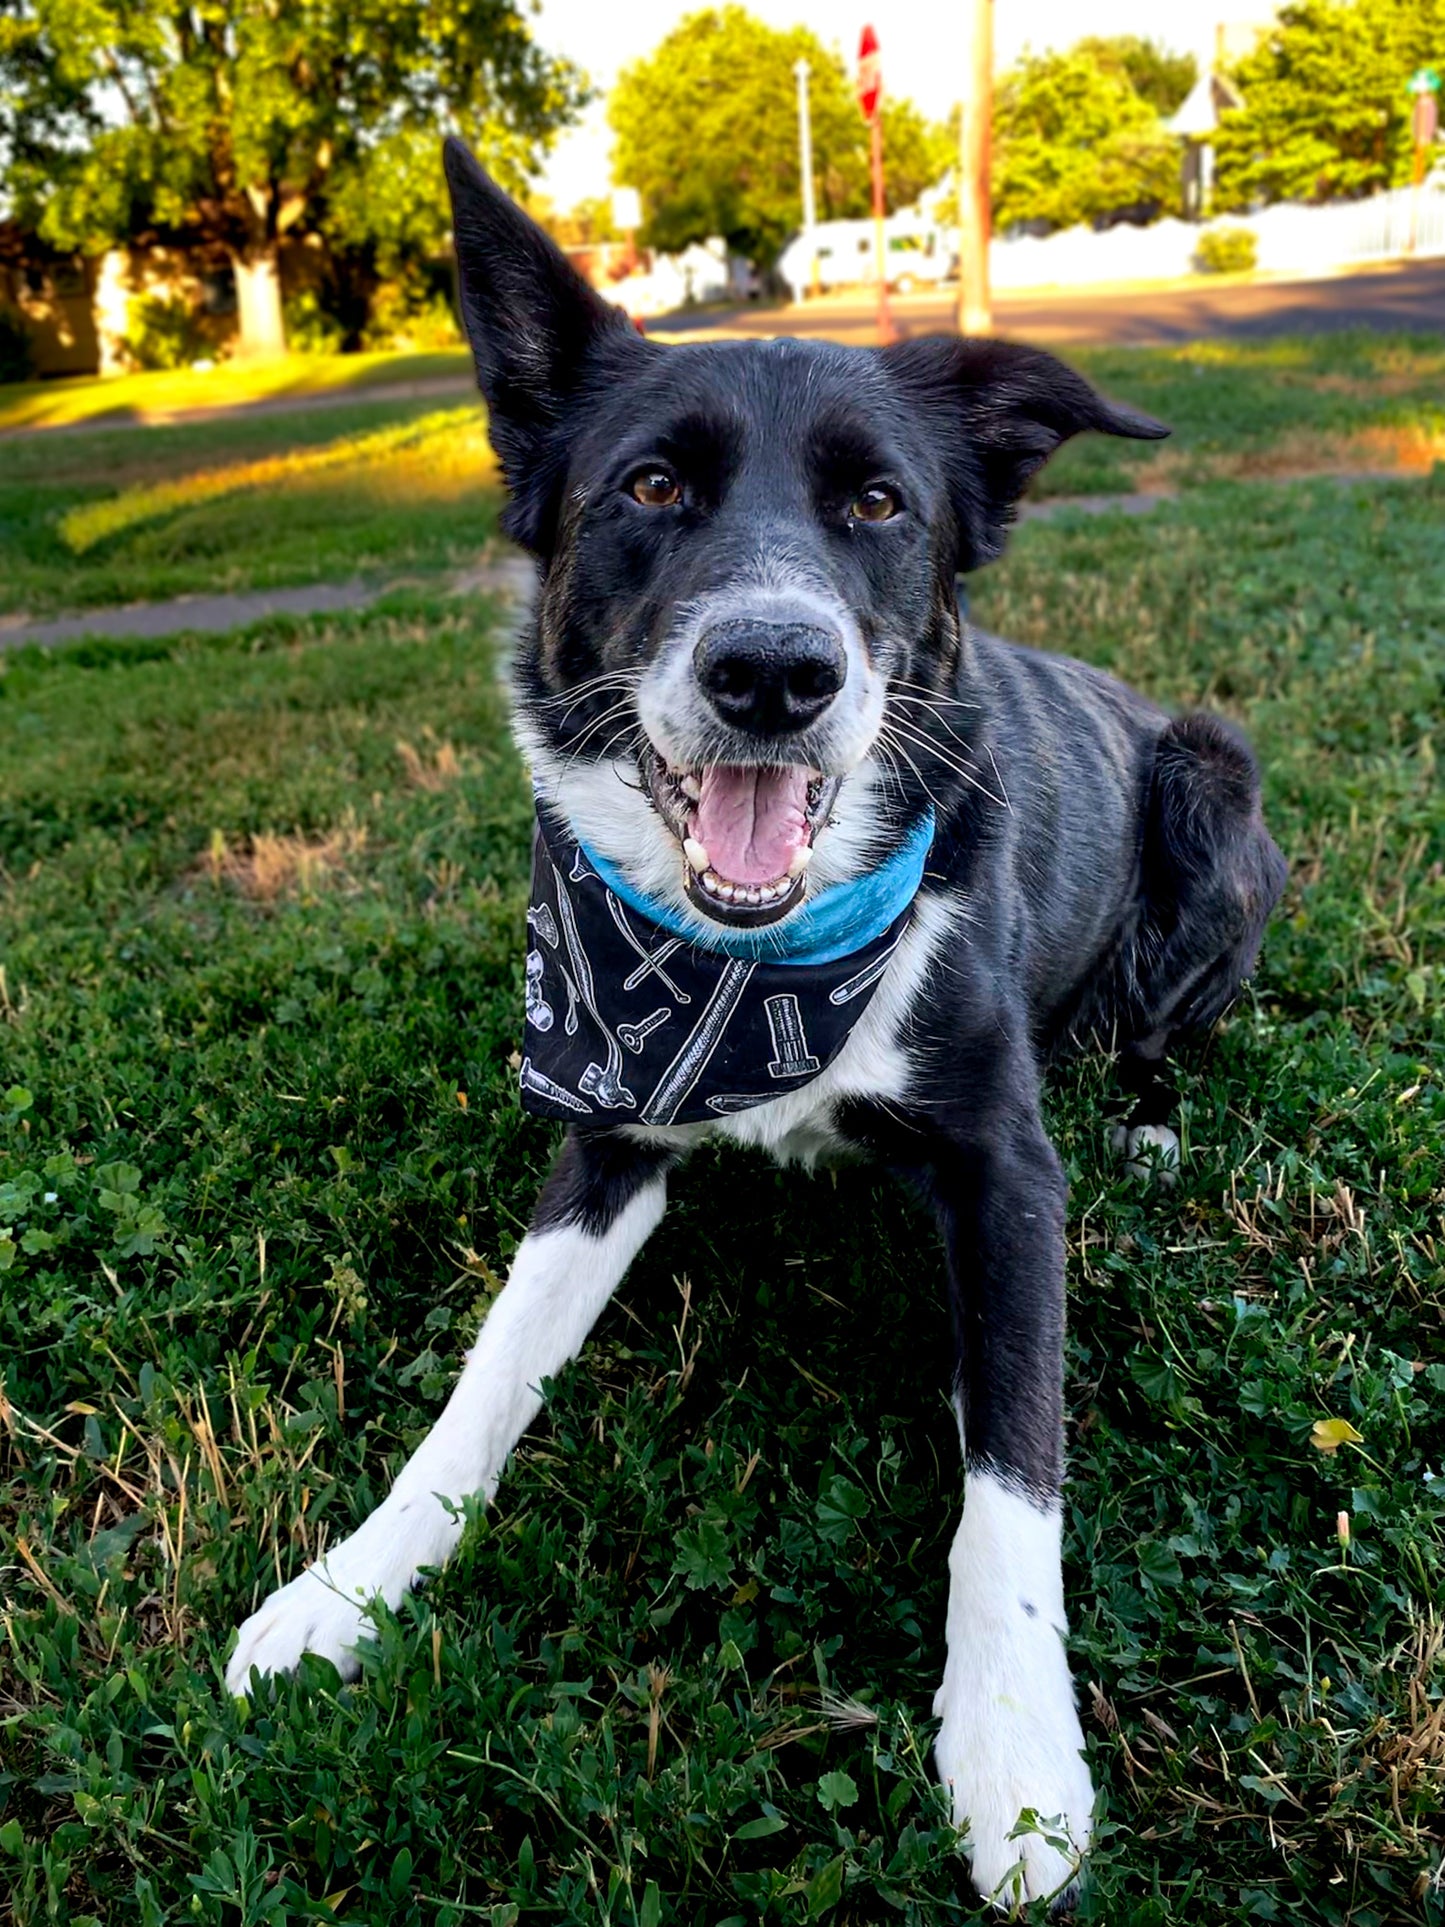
x=921 y=43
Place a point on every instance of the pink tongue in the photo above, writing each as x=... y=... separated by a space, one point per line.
x=751 y=821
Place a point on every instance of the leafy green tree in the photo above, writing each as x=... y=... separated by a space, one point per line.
x=587 y=225
x=244 y=121
x=707 y=132
x=1074 y=141
x=1161 y=78
x=1326 y=115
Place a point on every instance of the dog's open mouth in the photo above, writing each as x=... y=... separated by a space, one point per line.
x=746 y=834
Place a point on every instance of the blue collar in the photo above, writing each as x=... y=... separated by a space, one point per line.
x=835 y=923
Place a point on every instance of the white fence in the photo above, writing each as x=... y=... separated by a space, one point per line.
x=1292 y=239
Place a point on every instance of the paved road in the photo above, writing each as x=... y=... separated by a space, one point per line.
x=1395 y=298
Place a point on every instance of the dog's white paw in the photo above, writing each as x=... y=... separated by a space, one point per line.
x=1149 y=1151
x=1011 y=1743
x=324 y=1609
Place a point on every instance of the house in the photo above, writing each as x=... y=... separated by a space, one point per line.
x=52 y=296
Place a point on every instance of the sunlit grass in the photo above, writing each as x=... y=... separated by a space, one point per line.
x=412 y=494
x=441 y=454
x=161 y=395
x=1297 y=405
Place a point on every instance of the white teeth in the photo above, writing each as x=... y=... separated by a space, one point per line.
x=750 y=895
x=690 y=787
x=696 y=854
x=801 y=859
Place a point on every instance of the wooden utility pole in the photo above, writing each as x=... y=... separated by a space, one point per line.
x=975 y=306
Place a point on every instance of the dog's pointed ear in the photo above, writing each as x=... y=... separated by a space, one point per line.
x=1001 y=410
x=536 y=332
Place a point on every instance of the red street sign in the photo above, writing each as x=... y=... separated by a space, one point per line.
x=1426 y=120
x=870 y=74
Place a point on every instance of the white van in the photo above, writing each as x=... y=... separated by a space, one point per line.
x=918 y=254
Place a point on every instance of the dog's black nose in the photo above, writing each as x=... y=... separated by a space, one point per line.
x=769 y=677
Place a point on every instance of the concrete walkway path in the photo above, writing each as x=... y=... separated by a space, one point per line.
x=510 y=577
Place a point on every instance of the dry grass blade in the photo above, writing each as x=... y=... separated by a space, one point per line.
x=266 y=866
x=430 y=769
x=845 y=1713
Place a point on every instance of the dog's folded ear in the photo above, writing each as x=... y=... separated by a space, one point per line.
x=1000 y=411
x=537 y=334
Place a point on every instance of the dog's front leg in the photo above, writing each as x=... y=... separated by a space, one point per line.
x=604 y=1196
x=1010 y=1740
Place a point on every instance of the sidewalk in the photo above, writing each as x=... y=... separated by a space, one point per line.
x=511 y=577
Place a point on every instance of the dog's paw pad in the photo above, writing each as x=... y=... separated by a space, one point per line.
x=1149 y=1151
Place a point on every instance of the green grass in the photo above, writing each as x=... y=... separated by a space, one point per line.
x=1254 y=409
x=157 y=396
x=252 y=966
x=393 y=488
x=372 y=489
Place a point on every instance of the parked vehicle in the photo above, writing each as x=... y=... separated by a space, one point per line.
x=918 y=254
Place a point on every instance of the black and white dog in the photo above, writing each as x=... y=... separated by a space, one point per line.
x=820 y=869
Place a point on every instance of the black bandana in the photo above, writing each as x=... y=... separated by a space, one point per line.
x=630 y=1022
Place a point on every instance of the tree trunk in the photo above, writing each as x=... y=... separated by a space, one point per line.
x=258 y=302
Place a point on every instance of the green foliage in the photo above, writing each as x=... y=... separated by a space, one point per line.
x=707 y=131
x=247 y=121
x=1074 y=141
x=1157 y=76
x=310 y=330
x=164 y=331
x=1326 y=115
x=409 y=312
x=247 y=1231
x=588 y=224
x=15 y=349
x=1226 y=250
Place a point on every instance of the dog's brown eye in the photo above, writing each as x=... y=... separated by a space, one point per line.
x=655 y=488
x=874 y=504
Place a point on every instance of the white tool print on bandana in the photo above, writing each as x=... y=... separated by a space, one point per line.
x=704 y=1034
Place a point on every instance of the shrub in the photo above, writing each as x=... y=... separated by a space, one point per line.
x=165 y=331
x=410 y=313
x=16 y=363
x=310 y=329
x=1226 y=250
